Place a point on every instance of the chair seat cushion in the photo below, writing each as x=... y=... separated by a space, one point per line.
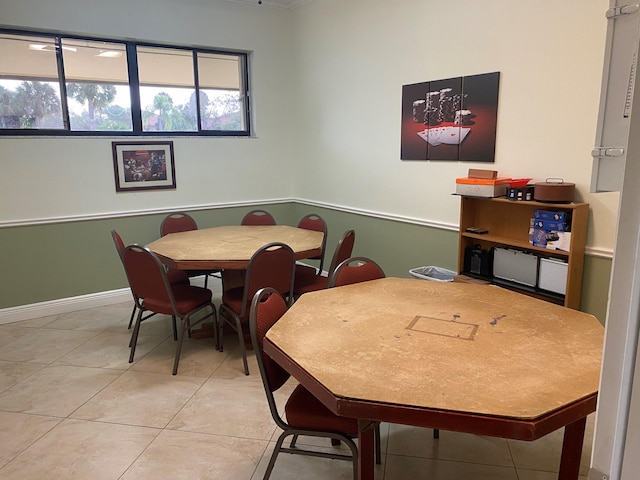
x=187 y=298
x=305 y=271
x=309 y=284
x=232 y=299
x=305 y=411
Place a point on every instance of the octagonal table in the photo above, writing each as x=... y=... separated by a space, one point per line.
x=454 y=356
x=231 y=247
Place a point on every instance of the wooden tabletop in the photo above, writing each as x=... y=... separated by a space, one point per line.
x=450 y=346
x=231 y=247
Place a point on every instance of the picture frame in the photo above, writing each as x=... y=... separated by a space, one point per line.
x=143 y=166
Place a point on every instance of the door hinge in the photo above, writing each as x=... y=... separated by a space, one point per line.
x=607 y=152
x=623 y=10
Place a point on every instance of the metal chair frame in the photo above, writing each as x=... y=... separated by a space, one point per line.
x=266 y=295
x=183 y=222
x=264 y=257
x=157 y=269
x=315 y=222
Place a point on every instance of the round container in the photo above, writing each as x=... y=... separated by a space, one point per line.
x=554 y=190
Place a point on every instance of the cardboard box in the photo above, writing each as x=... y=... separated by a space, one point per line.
x=481 y=187
x=480 y=173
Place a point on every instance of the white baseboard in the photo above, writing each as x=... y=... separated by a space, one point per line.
x=64 y=305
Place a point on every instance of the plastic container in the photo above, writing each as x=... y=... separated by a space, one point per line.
x=436 y=274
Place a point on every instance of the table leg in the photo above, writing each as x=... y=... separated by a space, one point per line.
x=365 y=449
x=572 y=450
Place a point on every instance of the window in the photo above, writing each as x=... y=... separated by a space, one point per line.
x=58 y=85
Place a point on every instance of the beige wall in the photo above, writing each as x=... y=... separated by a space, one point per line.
x=352 y=58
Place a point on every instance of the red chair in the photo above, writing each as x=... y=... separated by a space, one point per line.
x=305 y=414
x=273 y=265
x=355 y=270
x=306 y=282
x=152 y=292
x=177 y=222
x=258 y=217
x=176 y=277
x=316 y=223
x=183 y=222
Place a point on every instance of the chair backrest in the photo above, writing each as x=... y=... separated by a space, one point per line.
x=267 y=307
x=258 y=217
x=316 y=223
x=147 y=276
x=117 y=239
x=343 y=249
x=177 y=222
x=273 y=265
x=355 y=270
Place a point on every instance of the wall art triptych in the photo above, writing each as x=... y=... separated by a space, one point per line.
x=452 y=119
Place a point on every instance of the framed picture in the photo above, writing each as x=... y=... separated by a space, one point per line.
x=143 y=166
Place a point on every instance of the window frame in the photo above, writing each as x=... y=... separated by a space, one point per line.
x=134 y=87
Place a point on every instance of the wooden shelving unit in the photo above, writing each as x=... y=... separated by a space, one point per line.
x=507 y=222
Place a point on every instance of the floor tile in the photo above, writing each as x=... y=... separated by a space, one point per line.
x=412 y=468
x=463 y=447
x=56 y=390
x=18 y=431
x=81 y=450
x=109 y=350
x=9 y=333
x=184 y=455
x=43 y=345
x=94 y=319
x=12 y=373
x=198 y=358
x=227 y=407
x=140 y=398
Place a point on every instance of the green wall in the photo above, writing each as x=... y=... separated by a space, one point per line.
x=47 y=262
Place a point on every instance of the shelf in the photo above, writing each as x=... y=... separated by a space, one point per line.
x=487 y=237
x=507 y=223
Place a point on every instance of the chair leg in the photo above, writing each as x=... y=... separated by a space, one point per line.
x=134 y=336
x=376 y=439
x=175 y=328
x=294 y=439
x=183 y=327
x=242 y=347
x=274 y=455
x=133 y=314
x=436 y=433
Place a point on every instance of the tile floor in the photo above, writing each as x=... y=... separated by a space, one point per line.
x=72 y=407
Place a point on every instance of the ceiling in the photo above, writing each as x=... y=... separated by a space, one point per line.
x=273 y=3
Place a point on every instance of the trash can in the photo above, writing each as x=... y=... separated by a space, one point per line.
x=436 y=274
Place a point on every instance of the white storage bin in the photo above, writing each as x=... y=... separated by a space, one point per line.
x=433 y=273
x=553 y=275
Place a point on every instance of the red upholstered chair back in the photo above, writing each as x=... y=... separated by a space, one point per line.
x=343 y=250
x=273 y=265
x=117 y=239
x=355 y=270
x=258 y=217
x=177 y=222
x=267 y=306
x=147 y=277
x=316 y=223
